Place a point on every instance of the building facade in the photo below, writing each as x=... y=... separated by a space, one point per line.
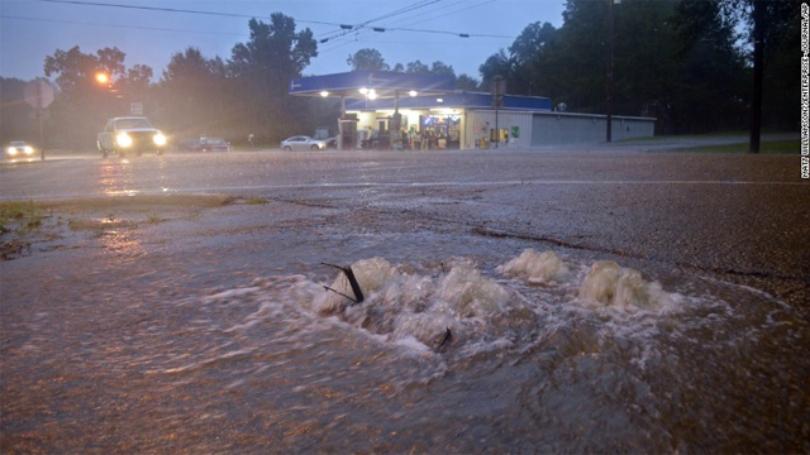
x=397 y=110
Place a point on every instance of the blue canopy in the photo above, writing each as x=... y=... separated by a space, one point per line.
x=456 y=99
x=385 y=83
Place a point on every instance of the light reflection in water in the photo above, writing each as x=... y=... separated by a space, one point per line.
x=116 y=177
x=123 y=243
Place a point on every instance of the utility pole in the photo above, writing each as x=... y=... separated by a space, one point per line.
x=609 y=87
x=498 y=90
x=756 y=102
x=39 y=122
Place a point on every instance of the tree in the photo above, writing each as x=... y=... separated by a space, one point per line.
x=138 y=77
x=670 y=58
x=367 y=60
x=82 y=106
x=773 y=32
x=496 y=65
x=262 y=69
x=529 y=56
x=193 y=91
x=16 y=116
x=416 y=67
x=74 y=69
x=441 y=69
x=465 y=82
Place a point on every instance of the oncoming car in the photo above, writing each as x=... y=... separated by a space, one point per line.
x=303 y=143
x=130 y=134
x=19 y=149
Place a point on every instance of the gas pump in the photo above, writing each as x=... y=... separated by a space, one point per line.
x=347 y=127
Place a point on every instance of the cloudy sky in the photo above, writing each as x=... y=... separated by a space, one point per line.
x=32 y=29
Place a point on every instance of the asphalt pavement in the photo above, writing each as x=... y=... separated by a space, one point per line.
x=680 y=218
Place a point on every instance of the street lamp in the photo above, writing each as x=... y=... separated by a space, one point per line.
x=102 y=78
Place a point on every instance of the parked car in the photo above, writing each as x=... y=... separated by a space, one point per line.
x=130 y=134
x=303 y=143
x=19 y=149
x=205 y=144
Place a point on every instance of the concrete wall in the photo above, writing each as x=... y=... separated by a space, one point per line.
x=534 y=128
x=479 y=122
x=571 y=128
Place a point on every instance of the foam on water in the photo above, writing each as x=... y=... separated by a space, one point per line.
x=429 y=308
x=537 y=268
x=457 y=309
x=608 y=284
x=406 y=305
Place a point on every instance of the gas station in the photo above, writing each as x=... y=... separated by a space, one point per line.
x=406 y=111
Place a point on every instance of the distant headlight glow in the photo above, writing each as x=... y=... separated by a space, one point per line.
x=159 y=139
x=123 y=140
x=12 y=151
x=28 y=150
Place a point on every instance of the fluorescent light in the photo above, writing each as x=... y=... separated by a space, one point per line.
x=413 y=93
x=440 y=100
x=324 y=93
x=363 y=90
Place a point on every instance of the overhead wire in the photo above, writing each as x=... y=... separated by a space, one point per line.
x=362 y=25
x=405 y=9
x=127 y=26
x=176 y=10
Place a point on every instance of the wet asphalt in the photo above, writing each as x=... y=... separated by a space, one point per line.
x=732 y=217
x=738 y=215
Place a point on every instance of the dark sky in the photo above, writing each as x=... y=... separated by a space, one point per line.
x=30 y=29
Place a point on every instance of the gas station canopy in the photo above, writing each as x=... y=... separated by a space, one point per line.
x=382 y=84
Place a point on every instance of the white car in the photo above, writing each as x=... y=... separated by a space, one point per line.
x=19 y=149
x=130 y=134
x=303 y=143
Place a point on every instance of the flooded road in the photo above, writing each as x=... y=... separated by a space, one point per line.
x=514 y=302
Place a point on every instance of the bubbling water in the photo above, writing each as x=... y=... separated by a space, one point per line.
x=537 y=268
x=610 y=285
x=458 y=304
x=403 y=305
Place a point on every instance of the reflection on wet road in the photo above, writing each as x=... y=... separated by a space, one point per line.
x=213 y=332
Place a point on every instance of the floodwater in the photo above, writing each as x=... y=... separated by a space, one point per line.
x=217 y=332
x=546 y=352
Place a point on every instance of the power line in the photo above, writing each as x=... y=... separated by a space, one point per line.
x=421 y=30
x=176 y=10
x=402 y=20
x=353 y=29
x=445 y=32
x=350 y=29
x=466 y=7
x=373 y=41
x=136 y=27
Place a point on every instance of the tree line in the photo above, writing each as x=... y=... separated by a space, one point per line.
x=687 y=62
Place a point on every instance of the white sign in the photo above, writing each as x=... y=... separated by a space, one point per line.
x=38 y=93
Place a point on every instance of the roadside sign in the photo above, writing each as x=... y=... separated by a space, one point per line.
x=38 y=93
x=136 y=108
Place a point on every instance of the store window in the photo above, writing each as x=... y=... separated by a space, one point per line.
x=441 y=131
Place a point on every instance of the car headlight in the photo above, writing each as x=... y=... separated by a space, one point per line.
x=28 y=150
x=159 y=139
x=12 y=151
x=123 y=140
